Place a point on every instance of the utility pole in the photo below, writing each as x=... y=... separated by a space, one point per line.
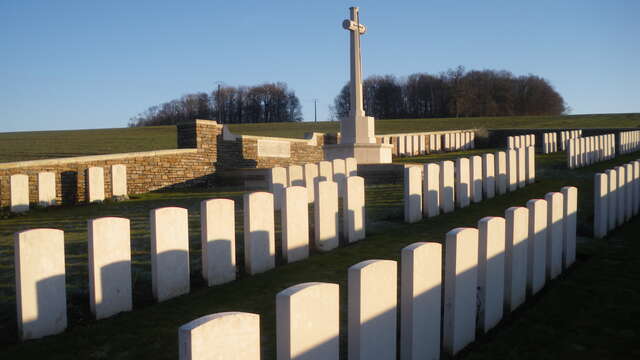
x=315 y=110
x=219 y=106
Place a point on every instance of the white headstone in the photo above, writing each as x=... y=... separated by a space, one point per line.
x=460 y=289
x=488 y=175
x=310 y=177
x=351 y=165
x=476 y=178
x=339 y=175
x=530 y=164
x=628 y=213
x=307 y=322
x=512 y=170
x=447 y=178
x=555 y=228
x=420 y=301
x=430 y=190
x=40 y=283
x=537 y=245
x=354 y=209
x=95 y=184
x=491 y=269
x=228 y=336
x=295 y=175
x=570 y=196
x=510 y=142
x=612 y=199
x=19 y=188
x=372 y=301
x=412 y=194
x=109 y=266
x=295 y=224
x=636 y=187
x=326 y=215
x=169 y=252
x=463 y=182
x=522 y=166
x=119 y=181
x=517 y=235
x=218 y=240
x=600 y=205
x=502 y=182
x=259 y=238
x=277 y=183
x=325 y=171
x=622 y=193
x=46 y=188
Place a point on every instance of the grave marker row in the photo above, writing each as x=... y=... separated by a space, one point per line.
x=46 y=185
x=628 y=141
x=440 y=187
x=485 y=275
x=421 y=144
x=519 y=141
x=566 y=135
x=616 y=196
x=585 y=151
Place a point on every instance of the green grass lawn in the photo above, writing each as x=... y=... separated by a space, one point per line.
x=18 y=146
x=588 y=312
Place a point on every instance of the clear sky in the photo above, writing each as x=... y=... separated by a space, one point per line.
x=95 y=64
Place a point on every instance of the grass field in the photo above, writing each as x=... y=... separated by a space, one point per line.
x=590 y=311
x=20 y=146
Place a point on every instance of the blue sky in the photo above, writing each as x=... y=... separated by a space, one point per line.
x=90 y=64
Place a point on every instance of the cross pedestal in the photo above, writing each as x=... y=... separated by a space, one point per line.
x=357 y=131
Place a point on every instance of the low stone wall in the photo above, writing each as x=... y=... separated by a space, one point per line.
x=146 y=171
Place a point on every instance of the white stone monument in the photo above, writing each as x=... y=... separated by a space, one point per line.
x=357 y=134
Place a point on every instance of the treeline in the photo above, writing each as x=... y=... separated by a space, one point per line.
x=455 y=93
x=270 y=102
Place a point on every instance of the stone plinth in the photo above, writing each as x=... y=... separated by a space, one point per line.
x=363 y=153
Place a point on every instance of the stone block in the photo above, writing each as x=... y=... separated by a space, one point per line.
x=295 y=175
x=516 y=244
x=46 y=189
x=95 y=184
x=502 y=181
x=488 y=176
x=447 y=180
x=430 y=190
x=218 y=241
x=512 y=170
x=326 y=217
x=555 y=228
x=600 y=205
x=412 y=194
x=372 y=301
x=420 y=301
x=307 y=322
x=491 y=269
x=570 y=215
x=295 y=224
x=476 y=178
x=228 y=336
x=259 y=232
x=310 y=178
x=40 y=283
x=463 y=182
x=354 y=209
x=460 y=289
x=537 y=245
x=119 y=181
x=19 y=188
x=169 y=252
x=109 y=266
x=277 y=183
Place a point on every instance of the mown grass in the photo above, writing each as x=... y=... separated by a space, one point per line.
x=18 y=146
x=588 y=311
